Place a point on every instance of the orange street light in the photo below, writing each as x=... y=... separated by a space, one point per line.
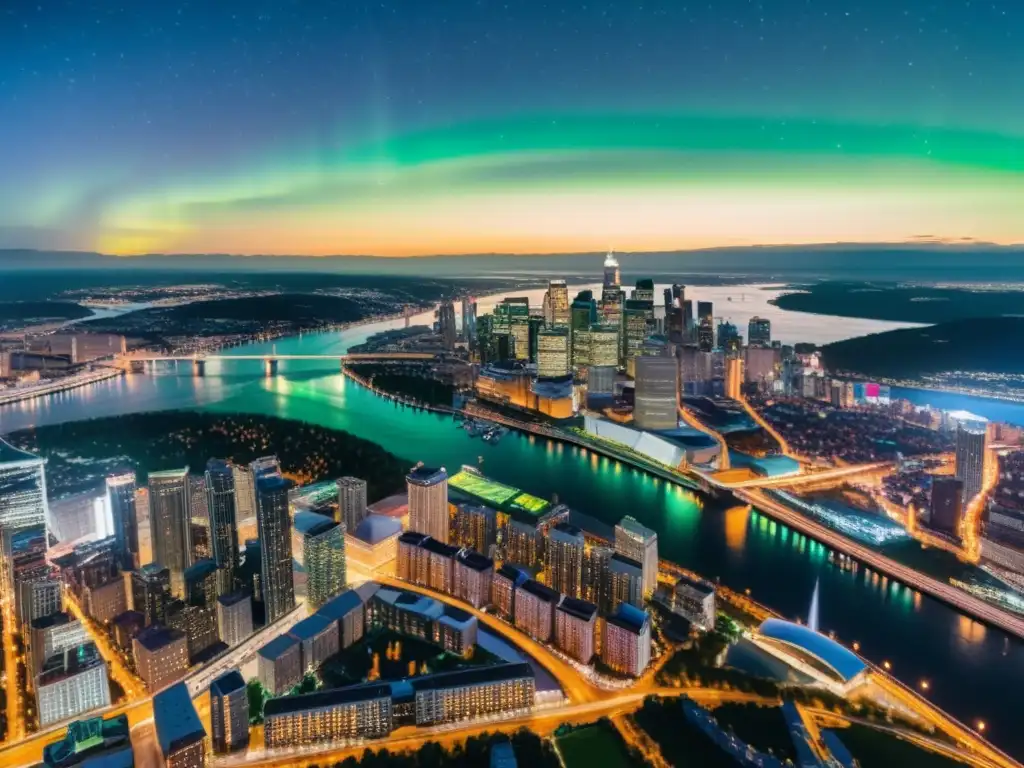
x=981 y=725
x=925 y=685
x=887 y=665
x=856 y=645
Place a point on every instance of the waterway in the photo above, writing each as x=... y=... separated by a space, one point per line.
x=973 y=671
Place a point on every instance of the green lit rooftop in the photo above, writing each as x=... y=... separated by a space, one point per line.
x=497 y=495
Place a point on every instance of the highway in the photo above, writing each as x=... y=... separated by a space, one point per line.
x=15 y=721
x=807 y=478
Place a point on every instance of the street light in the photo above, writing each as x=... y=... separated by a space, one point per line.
x=887 y=665
x=981 y=725
x=925 y=685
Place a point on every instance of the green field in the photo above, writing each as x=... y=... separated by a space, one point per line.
x=531 y=504
x=492 y=492
x=592 y=746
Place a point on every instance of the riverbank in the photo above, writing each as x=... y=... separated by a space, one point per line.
x=20 y=394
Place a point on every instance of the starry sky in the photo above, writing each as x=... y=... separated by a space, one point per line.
x=477 y=126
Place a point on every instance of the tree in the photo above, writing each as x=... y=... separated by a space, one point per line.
x=257 y=696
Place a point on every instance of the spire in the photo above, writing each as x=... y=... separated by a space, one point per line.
x=812 y=615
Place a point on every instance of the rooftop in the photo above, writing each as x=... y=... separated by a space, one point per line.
x=169 y=474
x=177 y=724
x=53 y=620
x=629 y=617
x=567 y=530
x=339 y=607
x=842 y=661
x=439 y=547
x=427 y=475
x=374 y=529
x=272 y=483
x=200 y=570
x=284 y=705
x=11 y=455
x=278 y=647
x=234 y=598
x=473 y=676
x=622 y=563
x=312 y=626
x=87 y=737
x=633 y=527
x=413 y=537
x=155 y=637
x=228 y=683
x=312 y=523
x=697 y=586
x=540 y=590
x=581 y=609
x=513 y=574
x=474 y=560
x=69 y=662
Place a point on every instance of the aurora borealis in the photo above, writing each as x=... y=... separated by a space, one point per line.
x=449 y=126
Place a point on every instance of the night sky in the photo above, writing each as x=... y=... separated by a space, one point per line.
x=450 y=126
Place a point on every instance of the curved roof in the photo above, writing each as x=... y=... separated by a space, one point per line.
x=375 y=528
x=842 y=661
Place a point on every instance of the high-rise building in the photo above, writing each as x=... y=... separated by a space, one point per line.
x=474 y=526
x=245 y=493
x=705 y=326
x=691 y=599
x=279 y=664
x=446 y=324
x=639 y=543
x=51 y=635
x=121 y=501
x=503 y=590
x=198 y=528
x=729 y=336
x=318 y=640
x=428 y=502
x=179 y=731
x=169 y=515
x=24 y=518
x=523 y=543
x=558 y=297
x=144 y=526
x=644 y=290
x=151 y=592
x=612 y=276
x=575 y=628
x=469 y=321
x=352 y=500
x=582 y=315
x=72 y=681
x=947 y=505
x=625 y=582
x=759 y=332
x=473 y=576
x=534 y=609
x=657 y=393
x=637 y=319
x=688 y=321
x=604 y=346
x=596 y=579
x=971 y=446
x=626 y=643
x=229 y=713
x=536 y=325
x=201 y=610
x=323 y=556
x=512 y=318
x=553 y=353
x=274 y=524
x=565 y=547
x=234 y=617
x=220 y=490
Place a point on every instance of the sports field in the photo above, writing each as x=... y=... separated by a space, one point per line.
x=531 y=504
x=492 y=492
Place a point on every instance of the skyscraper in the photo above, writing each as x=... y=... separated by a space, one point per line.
x=644 y=290
x=169 y=517
x=565 y=548
x=275 y=530
x=636 y=325
x=946 y=505
x=151 y=592
x=553 y=353
x=512 y=318
x=640 y=543
x=705 y=326
x=220 y=490
x=469 y=321
x=582 y=316
x=759 y=332
x=612 y=277
x=558 y=296
x=352 y=501
x=728 y=336
x=657 y=393
x=971 y=441
x=323 y=555
x=24 y=517
x=428 y=502
x=446 y=324
x=121 y=501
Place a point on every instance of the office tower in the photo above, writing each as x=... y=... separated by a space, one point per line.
x=105 y=601
x=537 y=325
x=612 y=276
x=355 y=712
x=604 y=346
x=639 y=543
x=473 y=576
x=474 y=526
x=534 y=609
x=229 y=713
x=275 y=525
x=657 y=393
x=446 y=324
x=669 y=303
x=626 y=642
x=575 y=627
x=234 y=617
x=220 y=492
x=428 y=501
x=625 y=582
x=582 y=315
x=636 y=316
x=688 y=321
x=170 y=518
x=971 y=444
x=144 y=526
x=151 y=592
x=469 y=321
x=485 y=348
x=161 y=655
x=279 y=664
x=705 y=326
x=596 y=583
x=51 y=635
x=121 y=501
x=198 y=529
x=512 y=318
x=947 y=505
x=352 y=501
x=323 y=556
x=553 y=353
x=71 y=682
x=245 y=493
x=759 y=332
x=644 y=290
x=24 y=516
x=201 y=611
x=558 y=296
x=179 y=731
x=565 y=547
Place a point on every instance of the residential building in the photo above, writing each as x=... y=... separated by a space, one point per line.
x=179 y=732
x=72 y=681
x=280 y=664
x=404 y=612
x=348 y=611
x=229 y=713
x=234 y=617
x=126 y=627
x=351 y=502
x=474 y=527
x=639 y=543
x=161 y=655
x=971 y=447
x=170 y=519
x=625 y=582
x=121 y=502
x=456 y=632
x=105 y=601
x=473 y=575
x=575 y=628
x=453 y=696
x=534 y=609
x=626 y=642
x=428 y=502
x=274 y=524
x=565 y=547
x=657 y=393
x=523 y=543
x=322 y=555
x=318 y=640
x=596 y=583
x=503 y=589
x=358 y=711
x=692 y=600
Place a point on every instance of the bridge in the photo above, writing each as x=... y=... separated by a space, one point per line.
x=137 y=362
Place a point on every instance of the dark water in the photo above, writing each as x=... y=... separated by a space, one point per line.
x=974 y=671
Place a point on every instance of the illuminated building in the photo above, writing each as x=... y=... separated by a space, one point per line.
x=425 y=618
x=583 y=314
x=318 y=640
x=575 y=625
x=971 y=446
x=759 y=332
x=596 y=581
x=636 y=326
x=92 y=743
x=473 y=576
x=144 y=527
x=347 y=610
x=828 y=663
x=456 y=632
x=534 y=609
x=523 y=543
x=639 y=543
x=564 y=557
x=229 y=713
x=558 y=298
x=554 y=397
x=449 y=697
x=373 y=544
x=506 y=384
x=612 y=276
x=121 y=501
x=179 y=731
x=657 y=393
x=644 y=290
x=201 y=611
x=221 y=507
x=537 y=325
x=198 y=527
x=245 y=495
x=275 y=546
x=322 y=549
x=734 y=377
x=469 y=321
x=512 y=318
x=105 y=601
x=705 y=326
x=24 y=517
x=425 y=561
x=51 y=635
x=553 y=353
x=474 y=526
x=626 y=641
x=604 y=346
x=352 y=501
x=503 y=590
x=161 y=655
x=234 y=617
x=126 y=627
x=279 y=664
x=625 y=582
x=39 y=598
x=72 y=681
x=151 y=591
x=688 y=322
x=728 y=336
x=947 y=505
x=170 y=518
x=359 y=711
x=446 y=324
x=601 y=379
x=691 y=599
x=428 y=502
x=760 y=364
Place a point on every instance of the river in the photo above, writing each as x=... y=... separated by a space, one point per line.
x=973 y=671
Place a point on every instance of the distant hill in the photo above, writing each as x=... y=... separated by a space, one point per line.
x=992 y=344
